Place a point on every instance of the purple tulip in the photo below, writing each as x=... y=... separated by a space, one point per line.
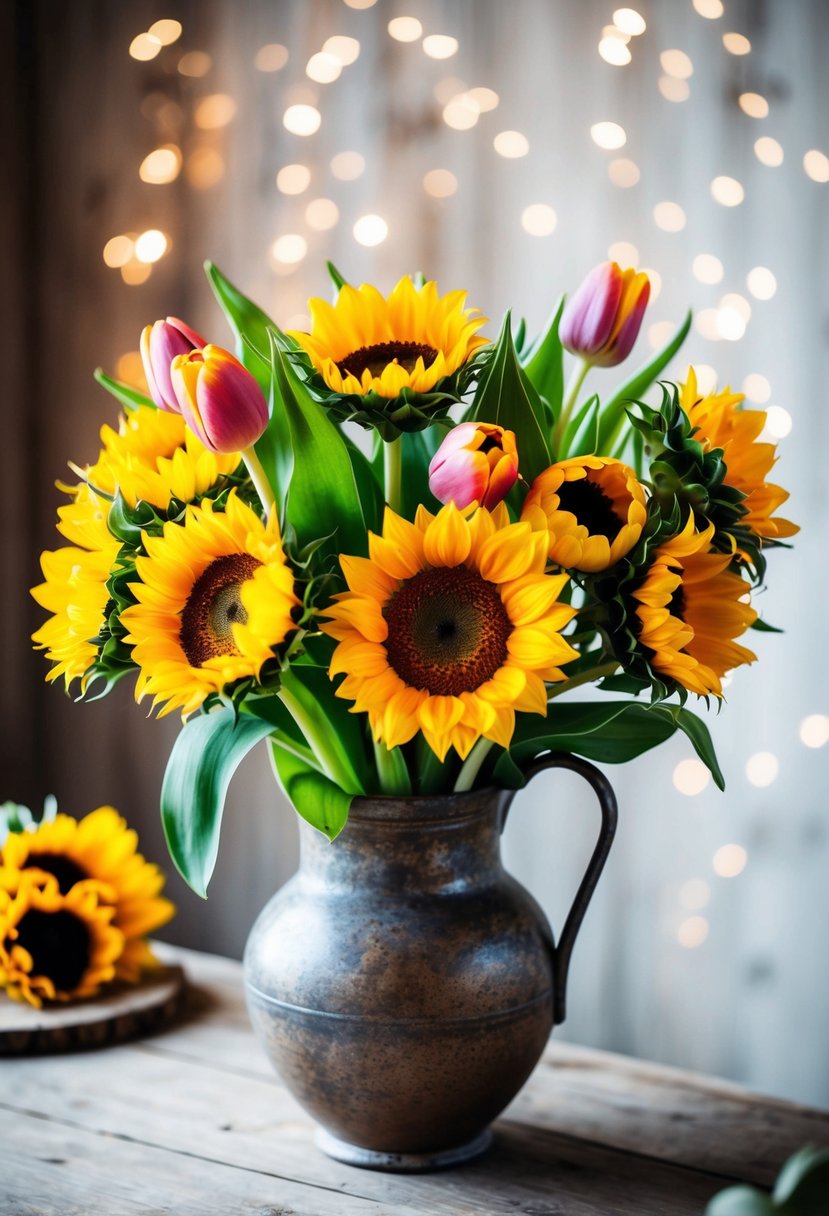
x=602 y=320
x=160 y=343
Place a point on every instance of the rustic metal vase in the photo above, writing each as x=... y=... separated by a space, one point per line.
x=404 y=984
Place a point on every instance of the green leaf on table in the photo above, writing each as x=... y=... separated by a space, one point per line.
x=506 y=397
x=204 y=758
x=129 y=397
x=803 y=1183
x=322 y=495
x=638 y=384
x=544 y=363
x=319 y=801
x=741 y=1201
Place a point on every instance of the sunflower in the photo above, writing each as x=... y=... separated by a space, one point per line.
x=449 y=627
x=594 y=509
x=100 y=849
x=75 y=593
x=409 y=345
x=691 y=607
x=214 y=601
x=54 y=946
x=721 y=423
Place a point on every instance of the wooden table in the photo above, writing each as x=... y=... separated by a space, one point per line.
x=193 y=1121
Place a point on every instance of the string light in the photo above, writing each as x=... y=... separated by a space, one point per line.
x=768 y=151
x=762 y=769
x=816 y=165
x=302 y=120
x=754 y=105
x=623 y=173
x=739 y=303
x=151 y=246
x=729 y=860
x=761 y=283
x=613 y=50
x=370 y=230
x=166 y=31
x=692 y=932
x=145 y=47
x=323 y=68
x=624 y=253
x=347 y=50
x=778 y=423
x=676 y=63
x=629 y=22
x=289 y=249
x=271 y=57
x=293 y=179
x=119 y=250
x=539 y=219
x=709 y=8
x=707 y=268
x=440 y=183
x=757 y=388
x=405 y=29
x=691 y=777
x=361 y=3
x=736 y=44
x=136 y=273
x=694 y=894
x=195 y=63
x=608 y=135
x=160 y=166
x=440 y=46
x=727 y=191
x=348 y=166
x=214 y=111
x=321 y=214
x=814 y=730
x=461 y=113
x=511 y=144
x=485 y=99
x=669 y=217
x=674 y=89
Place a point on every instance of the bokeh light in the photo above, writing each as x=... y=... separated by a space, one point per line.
x=145 y=47
x=762 y=769
x=204 y=168
x=778 y=423
x=729 y=860
x=440 y=46
x=768 y=151
x=614 y=51
x=707 y=268
x=347 y=166
x=321 y=214
x=691 y=776
x=727 y=191
x=293 y=179
x=214 y=111
x=669 y=217
x=816 y=165
x=195 y=64
x=271 y=57
x=539 y=219
x=623 y=172
x=289 y=249
x=674 y=89
x=511 y=144
x=608 y=135
x=461 y=113
x=736 y=44
x=151 y=246
x=160 y=166
x=692 y=932
x=302 y=120
x=370 y=230
x=761 y=283
x=753 y=104
x=757 y=388
x=346 y=49
x=440 y=183
x=694 y=894
x=623 y=252
x=119 y=250
x=629 y=21
x=167 y=31
x=709 y=8
x=676 y=63
x=405 y=29
x=485 y=99
x=814 y=730
x=323 y=68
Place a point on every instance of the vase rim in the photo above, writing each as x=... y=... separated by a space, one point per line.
x=425 y=808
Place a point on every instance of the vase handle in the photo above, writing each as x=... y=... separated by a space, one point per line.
x=607 y=803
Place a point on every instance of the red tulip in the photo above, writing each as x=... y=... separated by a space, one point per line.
x=219 y=399
x=477 y=462
x=601 y=322
x=160 y=343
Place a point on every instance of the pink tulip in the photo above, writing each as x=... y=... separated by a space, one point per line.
x=219 y=399
x=601 y=322
x=160 y=343
x=477 y=462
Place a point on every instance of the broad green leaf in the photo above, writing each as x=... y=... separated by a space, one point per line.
x=336 y=737
x=741 y=1201
x=585 y=430
x=204 y=758
x=250 y=325
x=318 y=800
x=698 y=733
x=368 y=487
x=129 y=397
x=803 y=1183
x=506 y=397
x=418 y=449
x=322 y=495
x=544 y=363
x=613 y=414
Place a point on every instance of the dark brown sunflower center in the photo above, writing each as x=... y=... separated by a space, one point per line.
x=60 y=946
x=214 y=606
x=66 y=871
x=375 y=358
x=448 y=631
x=591 y=507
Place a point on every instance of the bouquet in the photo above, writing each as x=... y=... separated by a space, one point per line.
x=390 y=547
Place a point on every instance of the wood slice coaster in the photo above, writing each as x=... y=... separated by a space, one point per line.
x=118 y=1014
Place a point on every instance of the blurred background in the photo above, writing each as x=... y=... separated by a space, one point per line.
x=503 y=148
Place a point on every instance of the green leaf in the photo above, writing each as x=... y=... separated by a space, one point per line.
x=335 y=276
x=418 y=449
x=204 y=758
x=764 y=627
x=322 y=495
x=344 y=732
x=544 y=363
x=803 y=1183
x=584 y=430
x=637 y=385
x=319 y=801
x=741 y=1201
x=506 y=397
x=250 y=325
x=698 y=733
x=129 y=397
x=368 y=487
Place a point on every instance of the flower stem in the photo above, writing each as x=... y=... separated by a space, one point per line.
x=584 y=677
x=393 y=472
x=472 y=765
x=320 y=736
x=392 y=771
x=573 y=389
x=259 y=478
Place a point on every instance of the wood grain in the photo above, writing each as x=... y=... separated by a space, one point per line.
x=192 y=1121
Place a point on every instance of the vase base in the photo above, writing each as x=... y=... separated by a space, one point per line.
x=401 y=1163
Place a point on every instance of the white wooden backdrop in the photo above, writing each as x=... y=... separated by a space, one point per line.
x=752 y=1000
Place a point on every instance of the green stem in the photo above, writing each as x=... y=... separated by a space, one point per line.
x=320 y=736
x=573 y=389
x=259 y=478
x=584 y=677
x=392 y=771
x=472 y=765
x=393 y=472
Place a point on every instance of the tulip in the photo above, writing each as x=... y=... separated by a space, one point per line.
x=160 y=343
x=601 y=322
x=219 y=399
x=477 y=462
